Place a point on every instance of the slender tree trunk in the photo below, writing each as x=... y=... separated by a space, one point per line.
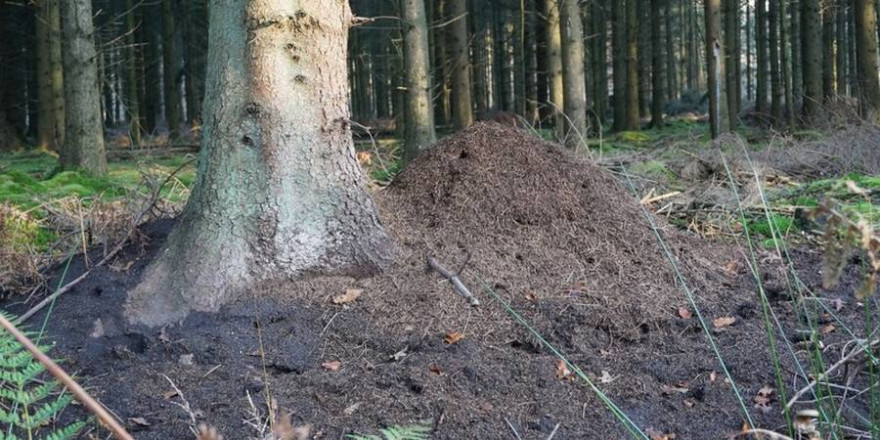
x=797 y=78
x=840 y=56
x=645 y=48
x=554 y=50
x=574 y=85
x=829 y=10
x=45 y=114
x=84 y=141
x=658 y=93
x=171 y=69
x=812 y=60
x=152 y=63
x=530 y=65
x=633 y=120
x=776 y=92
x=718 y=117
x=443 y=107
x=278 y=193
x=619 y=63
x=732 y=55
x=750 y=94
x=763 y=63
x=462 y=112
x=785 y=39
x=131 y=66
x=670 y=68
x=419 y=131
x=866 y=42
x=600 y=61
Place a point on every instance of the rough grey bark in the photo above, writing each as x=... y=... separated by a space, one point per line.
x=554 y=64
x=718 y=117
x=279 y=192
x=866 y=43
x=462 y=107
x=84 y=139
x=574 y=85
x=419 y=130
x=657 y=80
x=131 y=69
x=811 y=18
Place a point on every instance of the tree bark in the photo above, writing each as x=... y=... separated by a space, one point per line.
x=574 y=84
x=554 y=51
x=419 y=132
x=761 y=58
x=171 y=64
x=619 y=63
x=866 y=42
x=776 y=92
x=131 y=66
x=657 y=80
x=812 y=59
x=633 y=117
x=278 y=193
x=84 y=139
x=462 y=107
x=718 y=117
x=829 y=10
x=732 y=56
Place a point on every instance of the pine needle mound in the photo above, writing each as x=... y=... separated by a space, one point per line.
x=540 y=223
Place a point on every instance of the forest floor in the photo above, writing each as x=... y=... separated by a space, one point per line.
x=637 y=271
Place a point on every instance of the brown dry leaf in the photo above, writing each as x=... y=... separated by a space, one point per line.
x=765 y=398
x=684 y=313
x=138 y=421
x=724 y=321
x=828 y=329
x=678 y=389
x=169 y=394
x=606 y=377
x=658 y=435
x=530 y=297
x=453 y=337
x=331 y=365
x=284 y=429
x=731 y=268
x=349 y=296
x=434 y=368
x=562 y=371
x=206 y=432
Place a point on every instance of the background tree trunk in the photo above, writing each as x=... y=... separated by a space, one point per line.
x=419 y=131
x=776 y=92
x=658 y=92
x=761 y=57
x=554 y=52
x=574 y=84
x=462 y=107
x=866 y=41
x=171 y=66
x=718 y=117
x=131 y=67
x=633 y=117
x=278 y=191
x=84 y=141
x=812 y=59
x=45 y=116
x=619 y=63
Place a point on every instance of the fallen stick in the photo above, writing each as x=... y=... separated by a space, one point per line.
x=106 y=419
x=459 y=287
x=848 y=358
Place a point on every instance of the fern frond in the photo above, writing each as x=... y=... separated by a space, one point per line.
x=67 y=432
x=46 y=412
x=421 y=431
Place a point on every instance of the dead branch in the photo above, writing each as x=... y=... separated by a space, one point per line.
x=110 y=255
x=453 y=278
x=843 y=361
x=106 y=419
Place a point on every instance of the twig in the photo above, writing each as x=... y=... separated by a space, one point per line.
x=134 y=224
x=553 y=433
x=510 y=425
x=106 y=419
x=843 y=361
x=768 y=433
x=459 y=287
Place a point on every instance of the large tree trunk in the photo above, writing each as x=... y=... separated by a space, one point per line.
x=419 y=130
x=462 y=107
x=554 y=54
x=45 y=118
x=279 y=192
x=866 y=41
x=84 y=139
x=812 y=60
x=574 y=85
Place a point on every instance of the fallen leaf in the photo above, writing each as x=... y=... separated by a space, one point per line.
x=658 y=435
x=185 y=359
x=331 y=365
x=684 y=313
x=396 y=357
x=562 y=371
x=349 y=296
x=765 y=398
x=207 y=432
x=351 y=408
x=138 y=421
x=606 y=377
x=731 y=268
x=434 y=368
x=284 y=429
x=169 y=394
x=453 y=337
x=828 y=329
x=98 y=329
x=725 y=321
x=530 y=297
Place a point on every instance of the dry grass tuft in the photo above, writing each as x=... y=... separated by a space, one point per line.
x=20 y=263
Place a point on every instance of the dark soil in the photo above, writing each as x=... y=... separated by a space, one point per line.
x=559 y=239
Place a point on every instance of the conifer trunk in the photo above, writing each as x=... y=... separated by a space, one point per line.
x=462 y=112
x=866 y=41
x=419 y=130
x=574 y=85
